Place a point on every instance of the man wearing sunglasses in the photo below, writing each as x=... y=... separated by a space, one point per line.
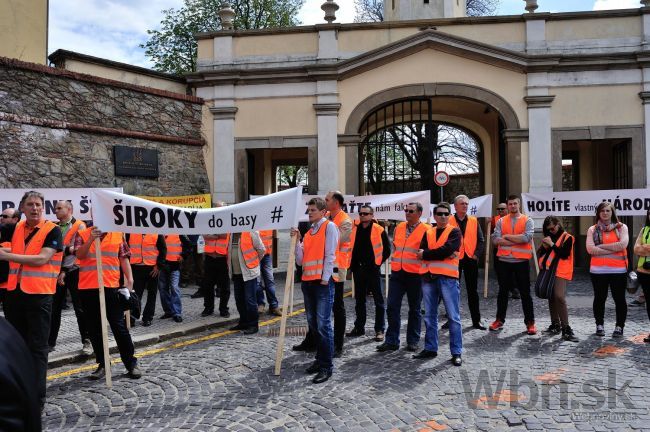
x=440 y=252
x=471 y=250
x=370 y=248
x=405 y=279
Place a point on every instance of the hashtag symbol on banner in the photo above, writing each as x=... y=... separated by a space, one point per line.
x=473 y=210
x=276 y=214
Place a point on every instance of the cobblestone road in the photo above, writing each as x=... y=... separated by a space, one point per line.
x=509 y=381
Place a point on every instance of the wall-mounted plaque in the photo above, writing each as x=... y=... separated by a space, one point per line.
x=135 y=162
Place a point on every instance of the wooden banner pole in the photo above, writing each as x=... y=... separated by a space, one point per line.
x=488 y=242
x=386 y=276
x=532 y=241
x=285 y=305
x=102 y=313
x=292 y=284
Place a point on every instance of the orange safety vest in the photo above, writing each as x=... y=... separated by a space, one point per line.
x=251 y=258
x=344 y=251
x=174 y=247
x=219 y=246
x=615 y=262
x=76 y=226
x=267 y=239
x=143 y=249
x=495 y=219
x=313 y=258
x=521 y=250
x=405 y=249
x=3 y=285
x=564 y=266
x=33 y=279
x=470 y=238
x=375 y=240
x=448 y=266
x=110 y=252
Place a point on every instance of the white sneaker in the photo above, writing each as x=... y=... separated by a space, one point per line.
x=87 y=348
x=600 y=330
x=618 y=332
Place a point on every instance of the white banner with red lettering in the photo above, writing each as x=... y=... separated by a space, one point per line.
x=118 y=212
x=627 y=202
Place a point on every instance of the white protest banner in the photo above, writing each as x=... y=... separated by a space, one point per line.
x=479 y=207
x=114 y=211
x=627 y=202
x=79 y=197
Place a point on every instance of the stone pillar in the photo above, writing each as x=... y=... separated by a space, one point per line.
x=540 y=161
x=353 y=173
x=328 y=166
x=515 y=139
x=645 y=97
x=645 y=10
x=224 y=153
x=536 y=32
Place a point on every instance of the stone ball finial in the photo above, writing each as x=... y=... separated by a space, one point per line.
x=645 y=3
x=531 y=5
x=227 y=16
x=330 y=7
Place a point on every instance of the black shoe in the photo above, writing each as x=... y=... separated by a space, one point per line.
x=647 y=339
x=424 y=354
x=356 y=332
x=303 y=347
x=515 y=294
x=338 y=352
x=99 y=373
x=146 y=323
x=479 y=326
x=166 y=315
x=445 y=326
x=50 y=349
x=554 y=329
x=456 y=360
x=567 y=334
x=197 y=294
x=224 y=314
x=321 y=377
x=238 y=327
x=207 y=312
x=217 y=294
x=251 y=330
x=178 y=319
x=411 y=348
x=135 y=373
x=314 y=368
x=387 y=347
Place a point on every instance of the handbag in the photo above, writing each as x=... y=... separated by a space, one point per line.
x=546 y=280
x=632 y=282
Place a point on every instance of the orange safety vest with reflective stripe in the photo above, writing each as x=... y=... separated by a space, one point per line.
x=143 y=249
x=564 y=266
x=174 y=247
x=67 y=239
x=110 y=252
x=3 y=285
x=248 y=251
x=470 y=238
x=267 y=239
x=520 y=250
x=313 y=258
x=405 y=249
x=344 y=251
x=219 y=246
x=615 y=262
x=375 y=240
x=33 y=279
x=448 y=266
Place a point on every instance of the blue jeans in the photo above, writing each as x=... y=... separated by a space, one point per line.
x=410 y=284
x=449 y=289
x=245 y=300
x=319 y=300
x=170 y=293
x=266 y=268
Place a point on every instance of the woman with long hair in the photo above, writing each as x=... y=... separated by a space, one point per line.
x=557 y=245
x=606 y=243
x=642 y=250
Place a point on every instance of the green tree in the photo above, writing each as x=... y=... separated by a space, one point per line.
x=173 y=47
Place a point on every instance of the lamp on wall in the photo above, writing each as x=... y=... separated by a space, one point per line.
x=531 y=5
x=330 y=7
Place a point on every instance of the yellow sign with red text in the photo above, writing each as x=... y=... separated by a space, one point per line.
x=187 y=201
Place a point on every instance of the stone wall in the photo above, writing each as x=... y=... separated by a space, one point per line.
x=58 y=129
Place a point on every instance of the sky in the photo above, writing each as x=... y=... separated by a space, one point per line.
x=114 y=29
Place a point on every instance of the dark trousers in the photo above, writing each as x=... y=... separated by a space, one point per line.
x=142 y=280
x=520 y=272
x=469 y=267
x=367 y=279
x=246 y=300
x=216 y=273
x=115 y=318
x=338 y=309
x=602 y=283
x=402 y=283
x=30 y=314
x=644 y=280
x=71 y=282
x=192 y=267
